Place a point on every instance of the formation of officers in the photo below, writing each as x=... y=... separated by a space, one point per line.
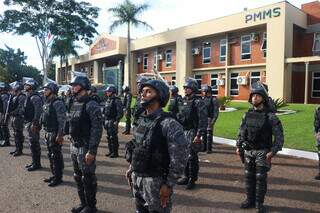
x=165 y=145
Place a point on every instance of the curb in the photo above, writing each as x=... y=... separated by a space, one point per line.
x=285 y=151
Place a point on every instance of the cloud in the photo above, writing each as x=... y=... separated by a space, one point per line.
x=162 y=15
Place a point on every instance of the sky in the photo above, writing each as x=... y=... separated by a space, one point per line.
x=162 y=15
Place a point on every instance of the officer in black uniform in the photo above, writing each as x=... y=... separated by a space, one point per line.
x=212 y=105
x=158 y=154
x=32 y=113
x=85 y=130
x=53 y=120
x=175 y=98
x=17 y=112
x=138 y=109
x=193 y=117
x=260 y=138
x=4 y=114
x=93 y=94
x=127 y=99
x=113 y=112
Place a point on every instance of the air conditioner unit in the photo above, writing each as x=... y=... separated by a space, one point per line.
x=254 y=37
x=220 y=82
x=160 y=57
x=195 y=51
x=139 y=60
x=242 y=80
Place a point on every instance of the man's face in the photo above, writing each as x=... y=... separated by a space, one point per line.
x=13 y=92
x=187 y=91
x=76 y=89
x=256 y=100
x=27 y=88
x=147 y=93
x=109 y=94
x=46 y=92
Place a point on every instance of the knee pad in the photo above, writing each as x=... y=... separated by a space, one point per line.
x=261 y=174
x=249 y=173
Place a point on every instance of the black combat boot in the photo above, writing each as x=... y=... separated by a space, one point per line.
x=191 y=184
x=90 y=188
x=13 y=152
x=48 y=180
x=82 y=197
x=261 y=179
x=260 y=208
x=183 y=181
x=57 y=170
x=17 y=153
x=110 y=147
x=35 y=164
x=115 y=148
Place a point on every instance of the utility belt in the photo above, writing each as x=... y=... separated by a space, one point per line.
x=78 y=142
x=250 y=146
x=50 y=130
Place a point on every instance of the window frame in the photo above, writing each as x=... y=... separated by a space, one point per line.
x=206 y=45
x=155 y=59
x=264 y=40
x=254 y=77
x=145 y=66
x=316 y=38
x=198 y=79
x=223 y=44
x=312 y=88
x=214 y=79
x=241 y=47
x=173 y=80
x=168 y=64
x=236 y=79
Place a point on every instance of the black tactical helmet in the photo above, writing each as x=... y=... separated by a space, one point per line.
x=111 y=88
x=161 y=88
x=174 y=89
x=93 y=89
x=16 y=85
x=191 y=83
x=206 y=88
x=125 y=88
x=53 y=87
x=33 y=83
x=4 y=86
x=258 y=88
x=140 y=81
x=82 y=81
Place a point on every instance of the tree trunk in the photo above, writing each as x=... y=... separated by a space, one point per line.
x=129 y=56
x=60 y=75
x=67 y=65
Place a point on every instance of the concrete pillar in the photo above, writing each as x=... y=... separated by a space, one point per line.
x=58 y=74
x=96 y=71
x=183 y=62
x=306 y=84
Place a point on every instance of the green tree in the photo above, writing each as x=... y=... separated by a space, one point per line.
x=127 y=13
x=48 y=20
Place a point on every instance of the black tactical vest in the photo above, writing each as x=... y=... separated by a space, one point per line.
x=208 y=101
x=49 y=118
x=174 y=104
x=80 y=125
x=15 y=101
x=259 y=130
x=188 y=115
x=150 y=156
x=29 y=108
x=110 y=110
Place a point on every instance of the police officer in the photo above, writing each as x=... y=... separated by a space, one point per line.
x=159 y=153
x=256 y=147
x=127 y=98
x=85 y=130
x=4 y=114
x=138 y=109
x=17 y=114
x=53 y=120
x=317 y=134
x=175 y=98
x=32 y=113
x=93 y=94
x=212 y=105
x=113 y=112
x=271 y=103
x=193 y=117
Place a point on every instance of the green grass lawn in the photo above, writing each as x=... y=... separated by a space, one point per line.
x=298 y=128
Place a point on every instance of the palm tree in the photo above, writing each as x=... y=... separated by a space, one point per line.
x=127 y=13
x=63 y=48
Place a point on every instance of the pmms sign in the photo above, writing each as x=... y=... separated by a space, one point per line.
x=262 y=15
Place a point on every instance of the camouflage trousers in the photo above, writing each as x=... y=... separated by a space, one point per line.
x=112 y=136
x=4 y=130
x=146 y=192
x=54 y=155
x=192 y=168
x=34 y=144
x=17 y=126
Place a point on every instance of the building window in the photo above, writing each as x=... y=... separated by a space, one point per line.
x=145 y=61
x=316 y=44
x=214 y=81
x=264 y=44
x=168 y=58
x=206 y=52
x=199 y=80
x=155 y=60
x=255 y=77
x=316 y=85
x=91 y=71
x=245 y=47
x=234 y=87
x=223 y=50
x=173 y=80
